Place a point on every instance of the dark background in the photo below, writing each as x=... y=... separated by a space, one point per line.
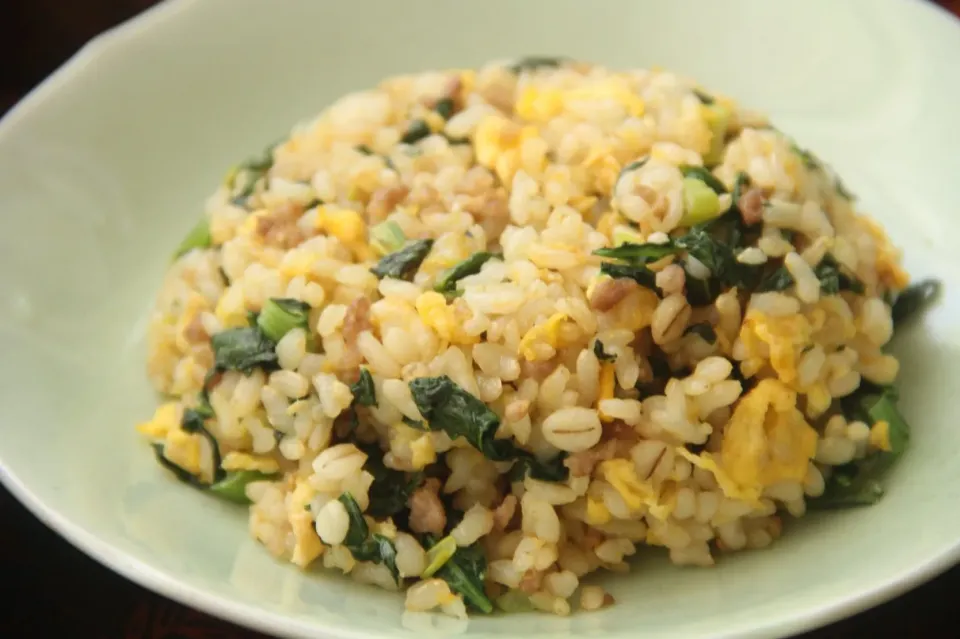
x=52 y=589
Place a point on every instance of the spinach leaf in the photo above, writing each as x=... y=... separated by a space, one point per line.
x=470 y=266
x=391 y=488
x=380 y=550
x=233 y=486
x=832 y=279
x=198 y=238
x=403 y=264
x=364 y=391
x=778 y=280
x=281 y=315
x=809 y=159
x=914 y=299
x=705 y=98
x=534 y=62
x=376 y=548
x=633 y=166
x=358 y=531
x=180 y=473
x=243 y=349
x=704 y=330
x=638 y=273
x=549 y=470
x=465 y=573
x=601 y=354
x=416 y=131
x=194 y=421
x=249 y=173
x=705 y=176
x=447 y=407
x=638 y=253
x=364 y=149
x=444 y=107
x=858 y=483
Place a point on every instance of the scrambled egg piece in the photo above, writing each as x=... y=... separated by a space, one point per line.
x=344 y=224
x=727 y=485
x=497 y=142
x=880 y=436
x=597 y=512
x=183 y=449
x=445 y=319
x=422 y=452
x=622 y=475
x=547 y=332
x=165 y=419
x=784 y=337
x=243 y=461
x=307 y=545
x=608 y=381
x=767 y=440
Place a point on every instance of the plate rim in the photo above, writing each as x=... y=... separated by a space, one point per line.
x=230 y=610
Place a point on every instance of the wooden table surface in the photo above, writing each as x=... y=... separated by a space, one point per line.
x=53 y=589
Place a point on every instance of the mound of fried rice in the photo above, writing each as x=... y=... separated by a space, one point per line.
x=477 y=334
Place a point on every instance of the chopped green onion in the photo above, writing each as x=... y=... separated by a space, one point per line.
x=280 y=315
x=233 y=487
x=439 y=555
x=514 y=601
x=718 y=117
x=700 y=202
x=387 y=237
x=198 y=238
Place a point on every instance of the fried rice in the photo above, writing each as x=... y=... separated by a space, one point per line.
x=478 y=334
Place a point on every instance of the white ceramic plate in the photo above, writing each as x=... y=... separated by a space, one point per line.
x=105 y=166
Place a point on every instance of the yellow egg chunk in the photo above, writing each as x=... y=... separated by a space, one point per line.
x=243 y=461
x=767 y=439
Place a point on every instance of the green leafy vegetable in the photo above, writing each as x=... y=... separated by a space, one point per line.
x=535 y=62
x=638 y=253
x=832 y=279
x=914 y=299
x=470 y=266
x=465 y=573
x=544 y=470
x=194 y=421
x=403 y=264
x=809 y=159
x=705 y=176
x=364 y=149
x=638 y=273
x=842 y=190
x=704 y=330
x=198 y=238
x=858 y=483
x=358 y=531
x=363 y=547
x=233 y=486
x=448 y=407
x=387 y=237
x=364 y=391
x=444 y=107
x=181 y=474
x=601 y=354
x=778 y=280
x=280 y=315
x=633 y=166
x=248 y=174
x=416 y=131
x=243 y=349
x=705 y=98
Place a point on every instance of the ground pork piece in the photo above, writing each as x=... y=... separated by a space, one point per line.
x=426 y=509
